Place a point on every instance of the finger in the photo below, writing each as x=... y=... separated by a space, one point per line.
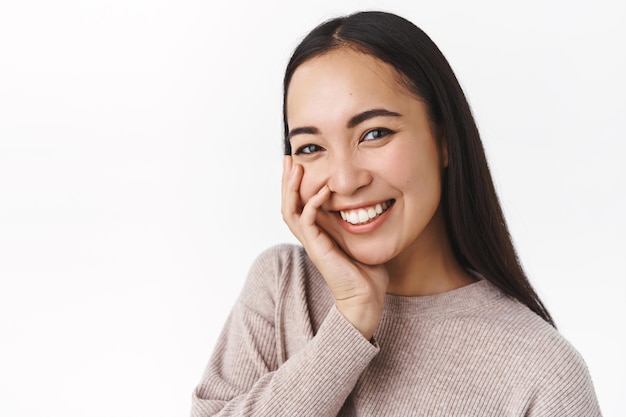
x=292 y=176
x=291 y=207
x=287 y=164
x=318 y=243
x=310 y=209
x=287 y=173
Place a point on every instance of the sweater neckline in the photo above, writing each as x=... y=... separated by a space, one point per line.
x=469 y=297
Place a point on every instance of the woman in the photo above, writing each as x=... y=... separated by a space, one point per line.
x=407 y=297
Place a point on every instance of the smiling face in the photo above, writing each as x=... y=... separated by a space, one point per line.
x=355 y=128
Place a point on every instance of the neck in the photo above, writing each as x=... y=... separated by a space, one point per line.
x=428 y=266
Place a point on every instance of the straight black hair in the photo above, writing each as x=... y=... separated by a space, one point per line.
x=474 y=220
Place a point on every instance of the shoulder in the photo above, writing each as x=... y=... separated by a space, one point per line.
x=281 y=256
x=542 y=357
x=561 y=377
x=562 y=382
x=519 y=329
x=277 y=264
x=279 y=272
x=550 y=353
x=522 y=350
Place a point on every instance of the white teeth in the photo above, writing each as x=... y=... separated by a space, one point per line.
x=364 y=215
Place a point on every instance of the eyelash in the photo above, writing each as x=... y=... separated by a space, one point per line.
x=306 y=149
x=303 y=149
x=382 y=132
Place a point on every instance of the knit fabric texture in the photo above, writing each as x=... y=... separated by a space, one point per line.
x=287 y=351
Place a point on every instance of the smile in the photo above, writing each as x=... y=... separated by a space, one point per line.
x=365 y=214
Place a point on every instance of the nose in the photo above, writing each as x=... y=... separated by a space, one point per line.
x=346 y=175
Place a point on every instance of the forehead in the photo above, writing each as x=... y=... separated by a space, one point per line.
x=343 y=81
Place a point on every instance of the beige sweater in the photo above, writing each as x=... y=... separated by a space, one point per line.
x=287 y=351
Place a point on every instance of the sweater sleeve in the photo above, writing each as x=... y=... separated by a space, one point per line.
x=243 y=378
x=567 y=388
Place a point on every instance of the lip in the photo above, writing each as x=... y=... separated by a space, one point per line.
x=365 y=227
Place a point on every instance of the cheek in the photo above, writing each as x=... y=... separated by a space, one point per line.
x=312 y=182
x=416 y=172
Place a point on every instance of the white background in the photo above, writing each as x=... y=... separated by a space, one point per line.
x=140 y=156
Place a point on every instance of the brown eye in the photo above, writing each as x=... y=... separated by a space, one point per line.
x=308 y=149
x=376 y=134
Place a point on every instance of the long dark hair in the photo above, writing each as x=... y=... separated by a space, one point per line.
x=476 y=227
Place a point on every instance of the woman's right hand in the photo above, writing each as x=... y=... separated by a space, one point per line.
x=359 y=289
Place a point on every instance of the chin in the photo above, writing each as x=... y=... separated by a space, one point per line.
x=371 y=256
x=362 y=248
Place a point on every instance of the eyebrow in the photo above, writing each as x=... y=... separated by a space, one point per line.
x=353 y=122
x=307 y=130
x=370 y=114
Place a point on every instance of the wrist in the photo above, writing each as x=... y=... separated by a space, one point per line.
x=365 y=320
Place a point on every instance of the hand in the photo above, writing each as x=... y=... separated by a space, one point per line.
x=359 y=289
